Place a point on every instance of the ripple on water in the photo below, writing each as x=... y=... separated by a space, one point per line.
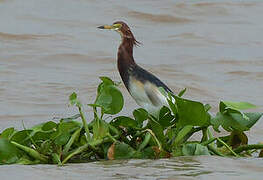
x=160 y=18
x=21 y=37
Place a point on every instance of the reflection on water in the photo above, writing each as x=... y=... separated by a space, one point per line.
x=203 y=167
x=49 y=49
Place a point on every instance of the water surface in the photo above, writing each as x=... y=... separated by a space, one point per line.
x=49 y=49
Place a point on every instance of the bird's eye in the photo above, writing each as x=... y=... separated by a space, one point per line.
x=116 y=26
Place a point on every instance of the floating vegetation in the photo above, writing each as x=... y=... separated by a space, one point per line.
x=75 y=139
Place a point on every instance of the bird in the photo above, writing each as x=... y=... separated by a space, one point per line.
x=144 y=87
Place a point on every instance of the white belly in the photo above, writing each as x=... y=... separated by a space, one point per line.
x=148 y=96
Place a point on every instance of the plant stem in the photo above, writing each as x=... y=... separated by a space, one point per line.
x=111 y=137
x=71 y=141
x=56 y=158
x=155 y=138
x=83 y=148
x=84 y=122
x=145 y=142
x=248 y=147
x=33 y=153
x=213 y=149
x=205 y=134
x=205 y=143
x=114 y=130
x=210 y=135
x=77 y=151
x=194 y=130
x=228 y=147
x=182 y=134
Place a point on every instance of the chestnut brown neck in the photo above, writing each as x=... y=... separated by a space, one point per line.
x=125 y=58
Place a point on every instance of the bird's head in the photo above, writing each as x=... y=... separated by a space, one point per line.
x=123 y=29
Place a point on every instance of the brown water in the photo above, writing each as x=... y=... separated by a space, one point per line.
x=49 y=49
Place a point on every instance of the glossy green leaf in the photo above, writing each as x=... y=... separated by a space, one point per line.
x=22 y=137
x=171 y=102
x=111 y=99
x=124 y=121
x=145 y=142
x=191 y=113
x=62 y=138
x=41 y=136
x=236 y=105
x=158 y=131
x=8 y=152
x=140 y=115
x=63 y=133
x=235 y=120
x=50 y=125
x=194 y=149
x=165 y=117
x=253 y=118
x=181 y=134
x=106 y=80
x=7 y=133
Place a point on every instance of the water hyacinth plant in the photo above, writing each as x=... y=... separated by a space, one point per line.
x=75 y=139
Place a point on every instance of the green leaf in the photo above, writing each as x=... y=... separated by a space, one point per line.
x=124 y=121
x=73 y=138
x=207 y=107
x=181 y=93
x=8 y=152
x=158 y=131
x=188 y=149
x=165 y=117
x=63 y=133
x=236 y=105
x=140 y=115
x=73 y=98
x=148 y=153
x=7 y=133
x=191 y=113
x=123 y=151
x=235 y=120
x=50 y=125
x=100 y=129
x=172 y=105
x=226 y=121
x=62 y=138
x=253 y=118
x=32 y=152
x=106 y=80
x=22 y=137
x=145 y=142
x=110 y=99
x=40 y=136
x=194 y=149
x=74 y=117
x=182 y=133
x=201 y=150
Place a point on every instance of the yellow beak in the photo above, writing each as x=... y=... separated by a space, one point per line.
x=106 y=27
